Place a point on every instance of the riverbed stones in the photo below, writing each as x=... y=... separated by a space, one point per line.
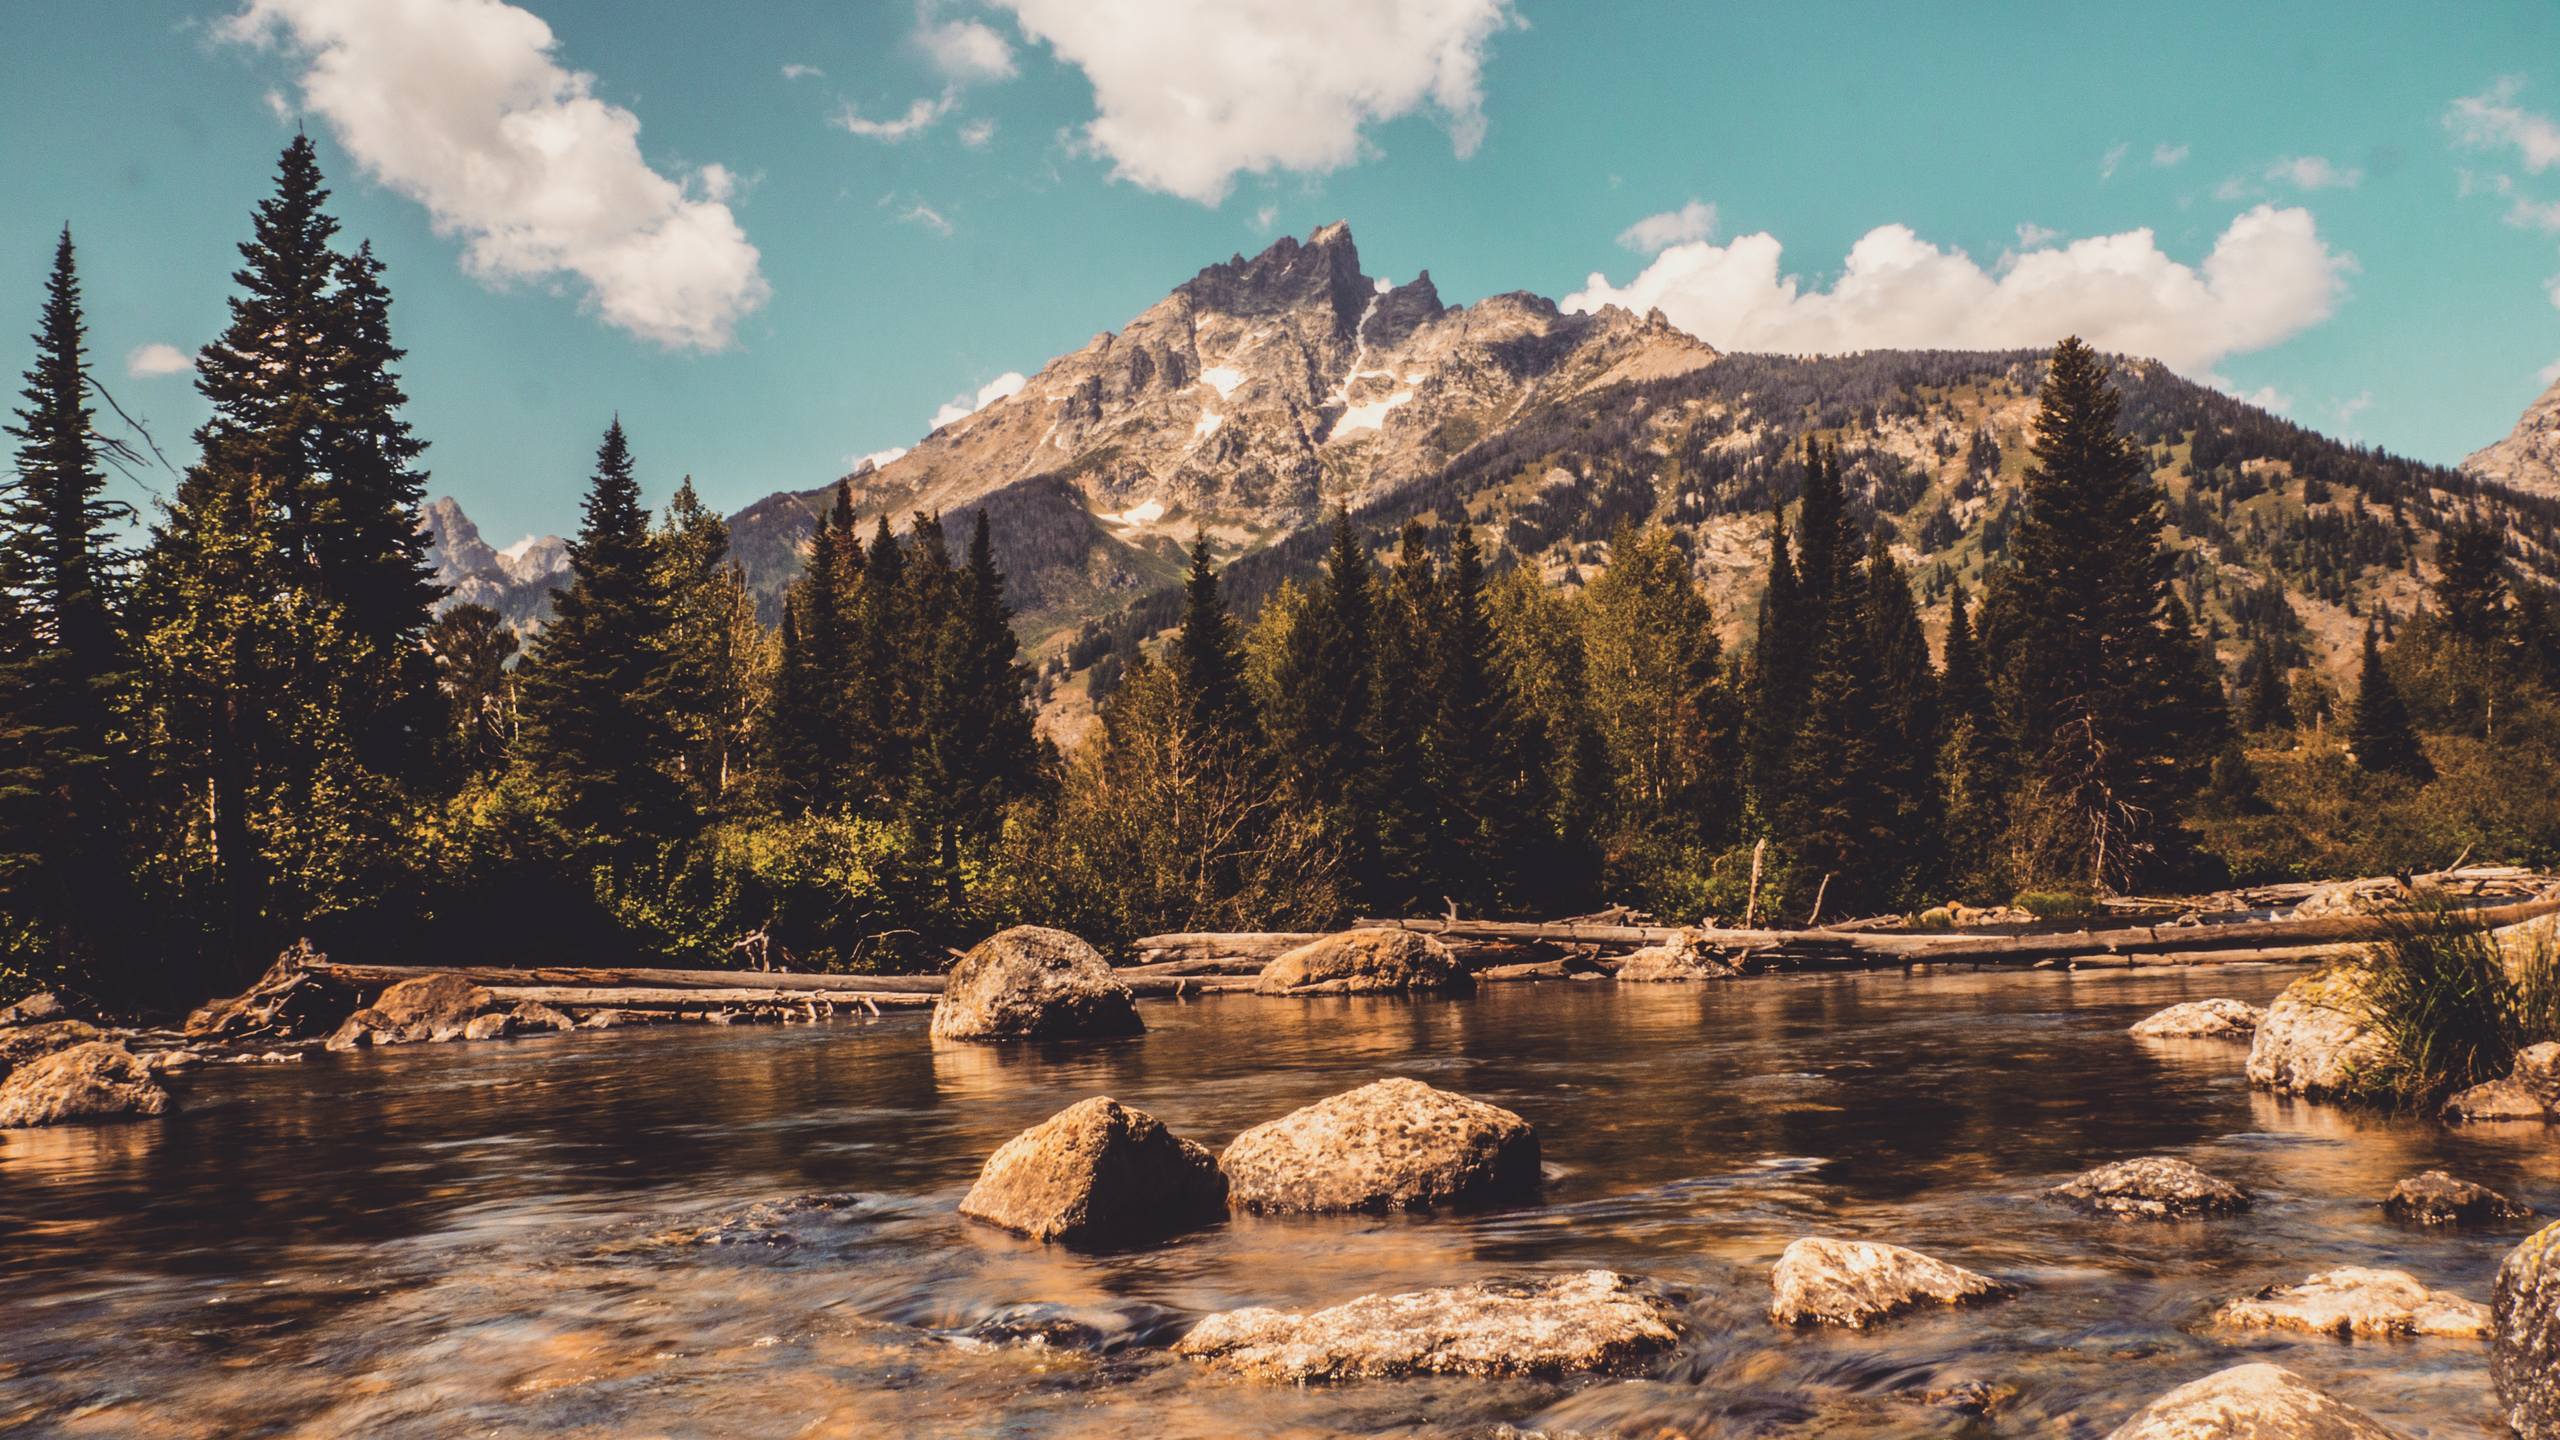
x=429 y=1008
x=531 y=1015
x=2496 y=1100
x=2317 y=1038
x=94 y=1080
x=1596 y=1320
x=1687 y=958
x=2356 y=1302
x=1379 y=960
x=2152 y=1187
x=2524 y=1353
x=2435 y=1198
x=1031 y=982
x=1393 y=1144
x=2202 y=1020
x=2249 y=1402
x=1856 y=1283
x=1097 y=1171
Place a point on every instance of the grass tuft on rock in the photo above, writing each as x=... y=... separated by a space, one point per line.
x=2455 y=1005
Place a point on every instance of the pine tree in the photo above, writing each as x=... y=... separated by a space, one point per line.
x=1778 y=662
x=2380 y=734
x=1208 y=659
x=1972 y=775
x=713 y=653
x=2267 y=705
x=979 y=749
x=2471 y=561
x=1488 y=768
x=1963 y=691
x=1317 y=710
x=1910 y=727
x=1404 y=681
x=67 y=667
x=595 y=720
x=470 y=645
x=1660 y=701
x=878 y=730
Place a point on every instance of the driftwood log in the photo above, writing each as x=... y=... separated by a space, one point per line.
x=641 y=987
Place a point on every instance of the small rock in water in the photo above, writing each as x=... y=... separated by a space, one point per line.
x=1380 y=960
x=534 y=1015
x=1972 y=1397
x=1855 y=1283
x=2497 y=1100
x=492 y=1026
x=431 y=1007
x=2317 y=1038
x=2354 y=1302
x=2524 y=1354
x=2249 y=1402
x=1596 y=1320
x=2202 y=1020
x=2153 y=1187
x=94 y=1080
x=2435 y=1198
x=1688 y=958
x=1393 y=1144
x=1029 y=982
x=1097 y=1171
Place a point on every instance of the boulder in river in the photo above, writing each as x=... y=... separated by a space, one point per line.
x=25 y=1043
x=1688 y=958
x=42 y=1005
x=2358 y=1303
x=1596 y=1320
x=2496 y=1100
x=1393 y=1144
x=1855 y=1283
x=1379 y=960
x=1031 y=982
x=2537 y=1069
x=2202 y=1020
x=431 y=1007
x=94 y=1080
x=2318 y=1038
x=1097 y=1171
x=2435 y=1198
x=530 y=1015
x=2249 y=1402
x=2524 y=1353
x=2152 y=1187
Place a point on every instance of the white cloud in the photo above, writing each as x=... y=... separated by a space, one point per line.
x=2032 y=236
x=2114 y=157
x=2553 y=285
x=2354 y=405
x=2543 y=215
x=2164 y=155
x=976 y=133
x=2234 y=188
x=966 y=49
x=962 y=407
x=1190 y=93
x=2314 y=172
x=2265 y=397
x=918 y=117
x=1656 y=233
x=460 y=106
x=2549 y=374
x=2268 y=277
x=1265 y=218
x=278 y=106
x=796 y=71
x=877 y=459
x=926 y=216
x=157 y=358
x=2492 y=118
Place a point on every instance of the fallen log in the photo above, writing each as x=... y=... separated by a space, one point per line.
x=632 y=997
x=1260 y=945
x=716 y=987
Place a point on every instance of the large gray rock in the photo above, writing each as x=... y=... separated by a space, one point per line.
x=2524 y=1355
x=2153 y=1187
x=1688 y=958
x=2202 y=1020
x=1592 y=1321
x=2506 y=1099
x=1097 y=1171
x=431 y=1007
x=1855 y=1283
x=2356 y=1302
x=2249 y=1402
x=2318 y=1038
x=1031 y=982
x=2435 y=1198
x=93 y=1080
x=1363 y=962
x=1390 y=1145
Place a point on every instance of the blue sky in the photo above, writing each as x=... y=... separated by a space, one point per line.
x=776 y=236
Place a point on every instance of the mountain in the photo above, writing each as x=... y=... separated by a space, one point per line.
x=2529 y=458
x=516 y=582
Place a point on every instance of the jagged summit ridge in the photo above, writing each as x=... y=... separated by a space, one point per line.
x=2528 y=459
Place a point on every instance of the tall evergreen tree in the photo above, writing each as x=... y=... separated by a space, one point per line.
x=1963 y=691
x=1910 y=725
x=595 y=720
x=1659 y=696
x=470 y=645
x=1489 y=770
x=2267 y=704
x=2380 y=734
x=1778 y=667
x=714 y=649
x=876 y=650
x=1208 y=656
x=979 y=750
x=1405 y=679
x=1318 y=710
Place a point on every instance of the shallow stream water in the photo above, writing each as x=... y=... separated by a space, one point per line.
x=696 y=1231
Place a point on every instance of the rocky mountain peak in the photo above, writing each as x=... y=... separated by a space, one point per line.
x=454 y=545
x=2529 y=458
x=1289 y=275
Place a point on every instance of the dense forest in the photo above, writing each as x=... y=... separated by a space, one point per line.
x=258 y=726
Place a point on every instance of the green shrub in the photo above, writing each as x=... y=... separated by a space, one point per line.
x=2454 y=1006
x=2056 y=904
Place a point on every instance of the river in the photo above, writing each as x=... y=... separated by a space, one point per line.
x=698 y=1231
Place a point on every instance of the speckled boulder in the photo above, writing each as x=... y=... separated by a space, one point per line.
x=2435 y=1198
x=1030 y=982
x=1592 y=1321
x=2524 y=1354
x=1364 y=962
x=431 y=1007
x=2249 y=1402
x=1855 y=1283
x=1097 y=1171
x=94 y=1080
x=2317 y=1038
x=2202 y=1020
x=2153 y=1187
x=2358 y=1303
x=1391 y=1145
x=2497 y=1100
x=1688 y=958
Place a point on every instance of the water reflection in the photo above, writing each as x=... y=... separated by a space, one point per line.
x=578 y=1235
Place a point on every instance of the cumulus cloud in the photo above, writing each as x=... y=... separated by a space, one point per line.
x=966 y=49
x=978 y=132
x=2164 y=154
x=961 y=407
x=2492 y=119
x=918 y=117
x=2314 y=172
x=1656 y=233
x=460 y=106
x=1188 y=94
x=2269 y=276
x=157 y=358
